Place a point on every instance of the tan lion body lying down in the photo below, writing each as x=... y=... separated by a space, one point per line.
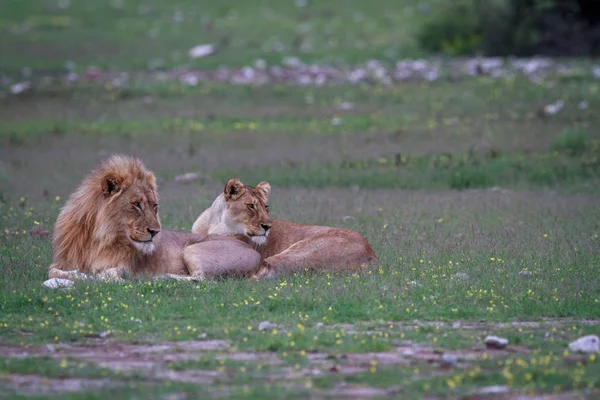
x=110 y=227
x=242 y=211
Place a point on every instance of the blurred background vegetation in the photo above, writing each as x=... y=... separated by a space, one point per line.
x=51 y=36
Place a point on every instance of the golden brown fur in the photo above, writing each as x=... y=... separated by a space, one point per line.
x=284 y=246
x=110 y=227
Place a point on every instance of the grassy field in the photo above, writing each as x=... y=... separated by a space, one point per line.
x=484 y=212
x=139 y=34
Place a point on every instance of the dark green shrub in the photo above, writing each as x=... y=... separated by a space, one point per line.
x=572 y=141
x=514 y=27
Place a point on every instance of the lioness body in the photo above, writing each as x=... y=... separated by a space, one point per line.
x=110 y=227
x=242 y=211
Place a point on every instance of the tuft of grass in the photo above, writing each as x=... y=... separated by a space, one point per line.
x=573 y=141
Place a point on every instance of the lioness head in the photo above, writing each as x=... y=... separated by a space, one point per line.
x=130 y=205
x=247 y=210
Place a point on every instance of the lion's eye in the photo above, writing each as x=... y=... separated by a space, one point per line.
x=267 y=208
x=251 y=206
x=156 y=207
x=137 y=204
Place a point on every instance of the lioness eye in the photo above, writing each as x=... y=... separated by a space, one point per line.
x=137 y=204
x=267 y=207
x=251 y=206
x=156 y=207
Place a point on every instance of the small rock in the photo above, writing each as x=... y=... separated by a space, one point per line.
x=39 y=232
x=525 y=273
x=266 y=325
x=585 y=344
x=202 y=50
x=57 y=283
x=551 y=109
x=456 y=325
x=448 y=360
x=347 y=218
x=346 y=105
x=496 y=389
x=187 y=177
x=319 y=324
x=583 y=105
x=414 y=283
x=495 y=342
x=139 y=321
x=20 y=87
x=461 y=275
x=103 y=334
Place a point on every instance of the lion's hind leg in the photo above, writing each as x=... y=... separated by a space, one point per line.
x=220 y=256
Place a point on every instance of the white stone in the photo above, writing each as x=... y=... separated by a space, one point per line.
x=448 y=360
x=496 y=389
x=525 y=273
x=57 y=283
x=187 y=177
x=202 y=50
x=461 y=275
x=495 y=342
x=20 y=87
x=266 y=325
x=585 y=344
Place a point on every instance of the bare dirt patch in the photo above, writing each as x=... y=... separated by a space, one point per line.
x=35 y=385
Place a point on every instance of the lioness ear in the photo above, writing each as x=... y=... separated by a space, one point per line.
x=111 y=184
x=234 y=189
x=264 y=188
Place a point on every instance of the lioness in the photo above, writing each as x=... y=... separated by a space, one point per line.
x=110 y=226
x=242 y=211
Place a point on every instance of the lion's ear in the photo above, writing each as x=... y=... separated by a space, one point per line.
x=111 y=184
x=264 y=188
x=234 y=189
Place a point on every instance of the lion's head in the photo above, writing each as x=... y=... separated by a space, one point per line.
x=239 y=210
x=110 y=219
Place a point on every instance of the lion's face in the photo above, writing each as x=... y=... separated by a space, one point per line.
x=133 y=206
x=248 y=210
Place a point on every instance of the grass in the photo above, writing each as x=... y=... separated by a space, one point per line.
x=444 y=178
x=125 y=35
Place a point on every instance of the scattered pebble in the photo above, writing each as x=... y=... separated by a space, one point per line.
x=525 y=273
x=319 y=324
x=495 y=342
x=448 y=360
x=295 y=72
x=57 y=283
x=585 y=344
x=20 y=87
x=496 y=389
x=202 y=50
x=39 y=232
x=551 y=109
x=266 y=325
x=103 y=334
x=187 y=177
x=461 y=275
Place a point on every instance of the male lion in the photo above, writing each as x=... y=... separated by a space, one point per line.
x=110 y=226
x=242 y=211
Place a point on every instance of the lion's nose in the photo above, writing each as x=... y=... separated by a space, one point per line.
x=266 y=227
x=153 y=232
